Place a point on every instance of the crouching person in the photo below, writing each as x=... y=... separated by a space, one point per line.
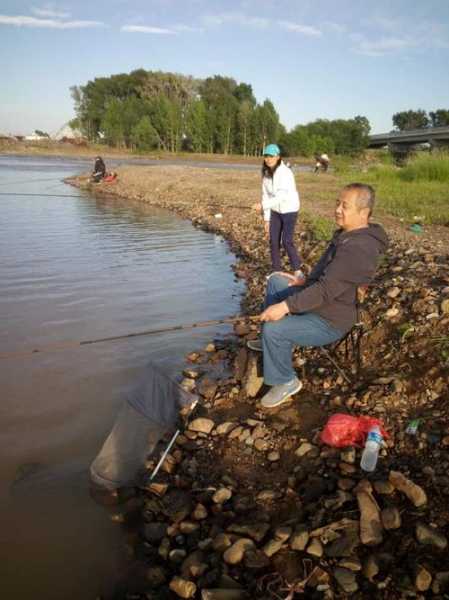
x=323 y=308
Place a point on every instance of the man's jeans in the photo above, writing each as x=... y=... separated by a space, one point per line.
x=279 y=337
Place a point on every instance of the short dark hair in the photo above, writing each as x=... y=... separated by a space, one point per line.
x=366 y=196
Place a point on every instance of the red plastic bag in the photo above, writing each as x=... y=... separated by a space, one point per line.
x=342 y=430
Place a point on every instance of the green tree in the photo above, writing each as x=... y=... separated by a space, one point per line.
x=439 y=118
x=411 y=119
x=143 y=135
x=196 y=128
x=41 y=133
x=112 y=124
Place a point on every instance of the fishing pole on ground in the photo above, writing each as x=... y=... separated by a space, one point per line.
x=78 y=343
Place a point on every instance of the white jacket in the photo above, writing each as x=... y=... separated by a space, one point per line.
x=280 y=193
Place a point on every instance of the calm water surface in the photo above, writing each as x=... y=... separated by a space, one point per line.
x=72 y=269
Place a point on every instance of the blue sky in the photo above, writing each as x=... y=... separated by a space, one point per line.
x=320 y=58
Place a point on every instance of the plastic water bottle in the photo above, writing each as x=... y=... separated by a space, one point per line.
x=371 y=451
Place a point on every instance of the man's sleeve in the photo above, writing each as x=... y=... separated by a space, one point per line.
x=352 y=264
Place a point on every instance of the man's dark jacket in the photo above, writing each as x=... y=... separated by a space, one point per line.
x=349 y=261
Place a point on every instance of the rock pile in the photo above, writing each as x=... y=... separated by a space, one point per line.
x=249 y=504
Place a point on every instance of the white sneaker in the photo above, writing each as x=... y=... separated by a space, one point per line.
x=255 y=345
x=281 y=393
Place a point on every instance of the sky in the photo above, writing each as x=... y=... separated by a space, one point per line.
x=312 y=58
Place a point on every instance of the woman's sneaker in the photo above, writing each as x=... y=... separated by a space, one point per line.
x=255 y=345
x=280 y=393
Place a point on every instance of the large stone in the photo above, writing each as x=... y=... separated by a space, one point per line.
x=202 y=425
x=183 y=587
x=414 y=492
x=370 y=522
x=253 y=380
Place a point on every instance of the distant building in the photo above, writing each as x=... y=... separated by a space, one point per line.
x=67 y=133
x=34 y=137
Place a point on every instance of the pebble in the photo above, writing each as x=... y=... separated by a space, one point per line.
x=346 y=580
x=183 y=587
x=430 y=536
x=273 y=456
x=423 y=579
x=391 y=518
x=235 y=553
x=299 y=538
x=348 y=455
x=315 y=548
x=303 y=449
x=222 y=495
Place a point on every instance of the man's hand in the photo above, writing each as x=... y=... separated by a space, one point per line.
x=257 y=206
x=292 y=279
x=275 y=312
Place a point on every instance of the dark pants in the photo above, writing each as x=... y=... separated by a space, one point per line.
x=283 y=227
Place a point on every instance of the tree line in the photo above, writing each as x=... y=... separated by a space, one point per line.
x=420 y=119
x=148 y=110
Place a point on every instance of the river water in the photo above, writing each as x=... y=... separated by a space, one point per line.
x=75 y=268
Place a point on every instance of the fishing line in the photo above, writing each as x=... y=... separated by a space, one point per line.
x=113 y=338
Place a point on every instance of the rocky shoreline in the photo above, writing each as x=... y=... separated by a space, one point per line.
x=249 y=504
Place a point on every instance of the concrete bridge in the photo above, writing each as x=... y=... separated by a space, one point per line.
x=402 y=141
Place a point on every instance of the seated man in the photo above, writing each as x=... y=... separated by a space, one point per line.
x=99 y=171
x=321 y=309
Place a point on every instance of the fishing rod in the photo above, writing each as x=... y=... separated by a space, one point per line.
x=41 y=195
x=78 y=343
x=28 y=181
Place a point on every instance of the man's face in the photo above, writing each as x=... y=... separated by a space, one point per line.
x=347 y=214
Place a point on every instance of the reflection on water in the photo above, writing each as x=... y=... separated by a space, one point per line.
x=72 y=269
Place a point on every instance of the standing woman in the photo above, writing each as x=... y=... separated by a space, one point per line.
x=280 y=205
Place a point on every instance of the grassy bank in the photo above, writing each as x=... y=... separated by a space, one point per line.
x=419 y=189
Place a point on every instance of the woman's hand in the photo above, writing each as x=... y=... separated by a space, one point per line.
x=275 y=312
x=266 y=227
